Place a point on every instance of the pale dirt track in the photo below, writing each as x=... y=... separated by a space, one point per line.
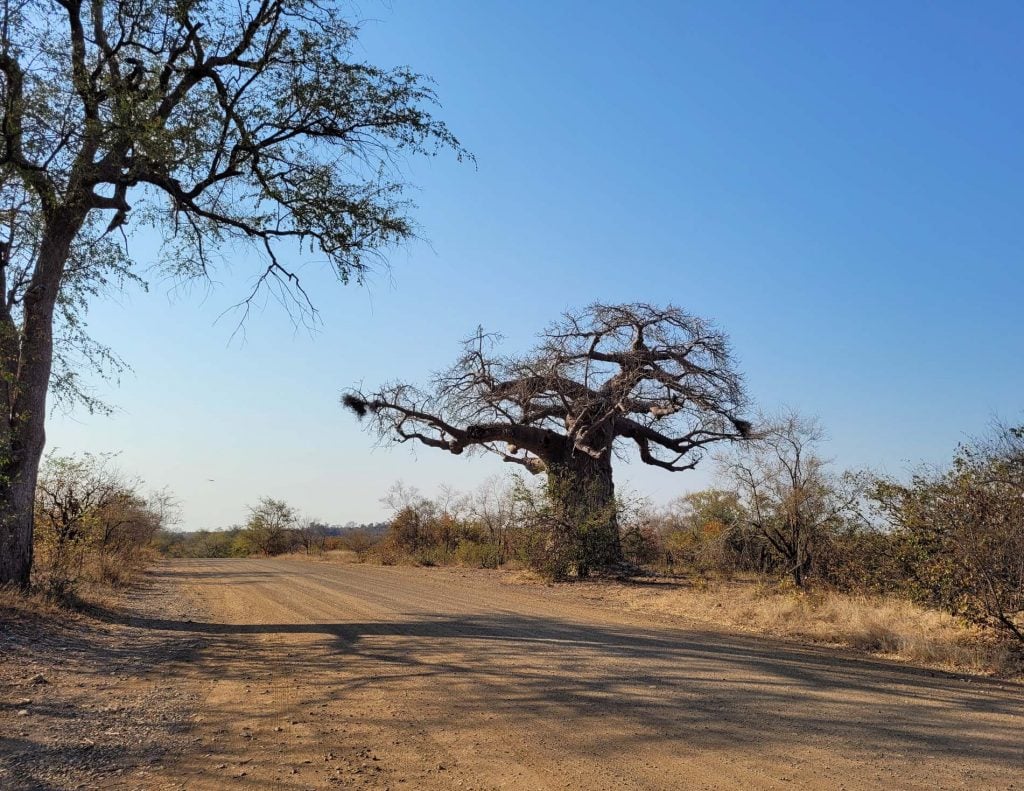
x=321 y=675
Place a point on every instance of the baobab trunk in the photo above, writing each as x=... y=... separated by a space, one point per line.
x=583 y=492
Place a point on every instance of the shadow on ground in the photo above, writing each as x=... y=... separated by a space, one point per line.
x=622 y=688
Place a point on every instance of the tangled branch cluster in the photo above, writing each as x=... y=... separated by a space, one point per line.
x=659 y=378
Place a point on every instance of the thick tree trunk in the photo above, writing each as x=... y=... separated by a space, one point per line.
x=24 y=434
x=16 y=523
x=583 y=492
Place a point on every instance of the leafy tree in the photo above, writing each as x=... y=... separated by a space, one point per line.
x=223 y=126
x=706 y=530
x=268 y=529
x=409 y=529
x=960 y=532
x=719 y=508
x=658 y=379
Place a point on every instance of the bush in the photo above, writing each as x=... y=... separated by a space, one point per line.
x=484 y=555
x=642 y=544
x=959 y=534
x=475 y=531
x=92 y=524
x=360 y=542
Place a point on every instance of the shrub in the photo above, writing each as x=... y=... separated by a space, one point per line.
x=360 y=542
x=960 y=533
x=92 y=523
x=641 y=544
x=485 y=555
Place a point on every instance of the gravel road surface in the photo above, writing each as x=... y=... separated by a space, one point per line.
x=325 y=675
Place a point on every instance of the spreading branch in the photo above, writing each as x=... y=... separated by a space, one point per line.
x=657 y=378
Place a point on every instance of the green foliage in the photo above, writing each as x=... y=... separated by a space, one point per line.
x=303 y=149
x=476 y=554
x=410 y=529
x=270 y=528
x=478 y=530
x=228 y=543
x=959 y=534
x=865 y=558
x=708 y=531
x=431 y=538
x=570 y=526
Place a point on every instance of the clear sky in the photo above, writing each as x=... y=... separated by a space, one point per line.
x=839 y=185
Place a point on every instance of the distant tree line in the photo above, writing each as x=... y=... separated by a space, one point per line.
x=273 y=528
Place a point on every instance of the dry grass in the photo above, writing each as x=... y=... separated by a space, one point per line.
x=39 y=604
x=15 y=605
x=890 y=627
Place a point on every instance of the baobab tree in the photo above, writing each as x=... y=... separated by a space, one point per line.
x=241 y=128
x=610 y=377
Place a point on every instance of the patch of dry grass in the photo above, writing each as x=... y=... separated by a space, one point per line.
x=40 y=604
x=891 y=627
x=17 y=605
x=888 y=626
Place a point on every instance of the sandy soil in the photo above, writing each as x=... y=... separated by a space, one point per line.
x=96 y=700
x=318 y=675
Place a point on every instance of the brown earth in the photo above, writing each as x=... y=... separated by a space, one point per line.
x=288 y=674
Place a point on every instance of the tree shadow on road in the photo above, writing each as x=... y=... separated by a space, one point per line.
x=590 y=687
x=698 y=688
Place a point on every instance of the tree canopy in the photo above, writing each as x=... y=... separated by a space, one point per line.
x=246 y=130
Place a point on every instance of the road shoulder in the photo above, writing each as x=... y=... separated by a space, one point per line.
x=99 y=697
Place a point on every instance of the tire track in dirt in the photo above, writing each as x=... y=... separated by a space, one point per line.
x=325 y=675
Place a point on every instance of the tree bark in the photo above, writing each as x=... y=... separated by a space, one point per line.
x=16 y=524
x=583 y=492
x=26 y=407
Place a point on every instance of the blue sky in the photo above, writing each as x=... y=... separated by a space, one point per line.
x=839 y=185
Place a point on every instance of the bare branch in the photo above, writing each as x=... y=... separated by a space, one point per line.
x=655 y=376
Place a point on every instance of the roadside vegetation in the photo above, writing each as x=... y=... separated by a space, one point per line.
x=95 y=526
x=929 y=570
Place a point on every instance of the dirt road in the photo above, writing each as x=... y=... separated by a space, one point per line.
x=321 y=675
x=292 y=674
